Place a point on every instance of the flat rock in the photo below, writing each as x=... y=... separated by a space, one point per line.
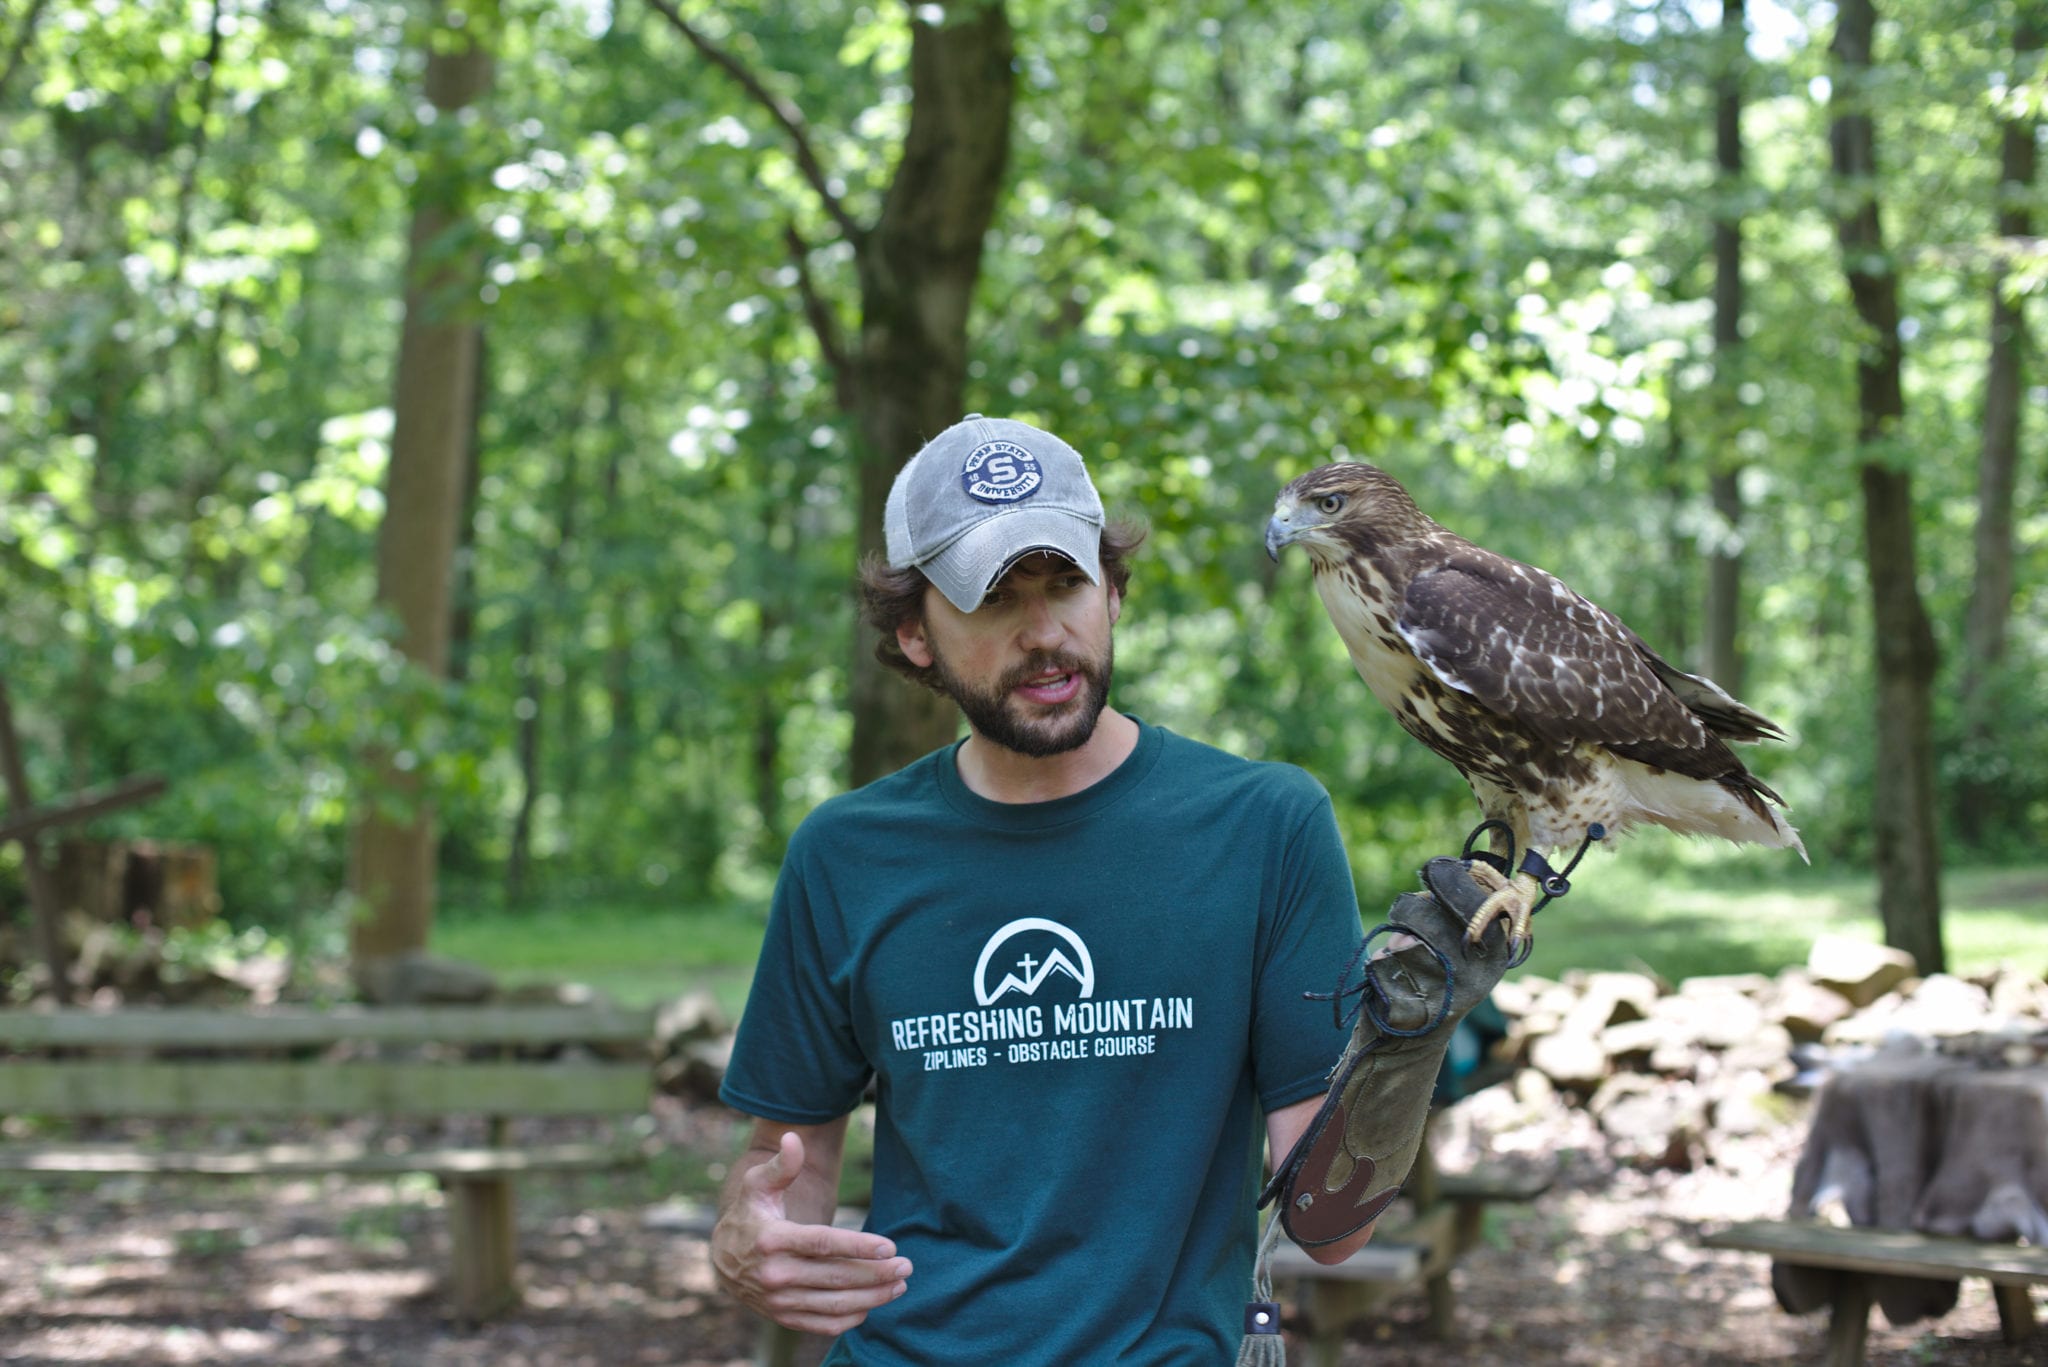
x=1859 y=970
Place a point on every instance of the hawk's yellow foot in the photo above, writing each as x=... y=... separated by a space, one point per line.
x=1510 y=899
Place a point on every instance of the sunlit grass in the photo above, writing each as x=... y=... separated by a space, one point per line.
x=636 y=955
x=1683 y=918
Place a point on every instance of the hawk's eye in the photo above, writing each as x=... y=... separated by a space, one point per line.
x=1331 y=504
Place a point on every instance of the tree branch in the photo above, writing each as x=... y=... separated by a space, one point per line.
x=783 y=111
x=21 y=41
x=824 y=323
x=181 y=232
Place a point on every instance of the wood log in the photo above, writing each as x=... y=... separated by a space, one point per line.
x=144 y=883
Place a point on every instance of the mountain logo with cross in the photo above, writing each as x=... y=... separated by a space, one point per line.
x=1027 y=952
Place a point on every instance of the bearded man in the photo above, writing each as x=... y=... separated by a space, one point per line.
x=1068 y=955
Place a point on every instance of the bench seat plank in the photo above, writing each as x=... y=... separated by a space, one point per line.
x=289 y=1160
x=1493 y=1186
x=1388 y=1261
x=116 y=1087
x=1888 y=1251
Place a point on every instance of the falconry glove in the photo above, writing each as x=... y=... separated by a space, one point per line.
x=1350 y=1162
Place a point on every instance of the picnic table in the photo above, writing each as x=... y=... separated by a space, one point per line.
x=1917 y=1172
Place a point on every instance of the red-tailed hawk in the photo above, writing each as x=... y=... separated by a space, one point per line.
x=1560 y=718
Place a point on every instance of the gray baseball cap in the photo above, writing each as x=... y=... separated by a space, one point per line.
x=983 y=494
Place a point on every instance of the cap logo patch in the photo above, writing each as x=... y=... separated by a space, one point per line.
x=1001 y=472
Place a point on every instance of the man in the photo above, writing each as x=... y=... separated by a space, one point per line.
x=1068 y=953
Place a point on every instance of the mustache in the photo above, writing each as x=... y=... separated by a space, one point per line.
x=1047 y=662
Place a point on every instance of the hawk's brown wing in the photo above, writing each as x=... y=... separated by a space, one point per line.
x=1525 y=645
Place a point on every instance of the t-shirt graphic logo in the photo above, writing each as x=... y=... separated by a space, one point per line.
x=1001 y=472
x=1036 y=968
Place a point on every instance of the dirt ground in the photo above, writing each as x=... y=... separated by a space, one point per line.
x=1604 y=1269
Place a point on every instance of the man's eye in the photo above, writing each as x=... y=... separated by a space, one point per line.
x=993 y=598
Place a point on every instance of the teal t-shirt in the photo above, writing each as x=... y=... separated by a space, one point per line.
x=1075 y=1014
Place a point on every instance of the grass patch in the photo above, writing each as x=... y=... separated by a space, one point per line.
x=637 y=955
x=1688 y=918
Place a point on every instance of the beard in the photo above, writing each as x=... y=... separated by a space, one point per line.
x=997 y=716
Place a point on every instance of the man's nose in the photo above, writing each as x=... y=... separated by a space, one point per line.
x=1042 y=628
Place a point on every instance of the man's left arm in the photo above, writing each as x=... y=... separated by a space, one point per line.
x=1283 y=1129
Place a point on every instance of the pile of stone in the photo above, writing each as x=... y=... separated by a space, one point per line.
x=692 y=1043
x=1663 y=1069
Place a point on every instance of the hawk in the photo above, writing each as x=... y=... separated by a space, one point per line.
x=1565 y=724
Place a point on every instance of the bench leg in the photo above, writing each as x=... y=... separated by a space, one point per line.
x=2015 y=1311
x=480 y=1226
x=1329 y=1309
x=776 y=1346
x=1849 y=1322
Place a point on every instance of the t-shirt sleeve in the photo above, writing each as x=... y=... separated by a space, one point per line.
x=796 y=1058
x=1313 y=931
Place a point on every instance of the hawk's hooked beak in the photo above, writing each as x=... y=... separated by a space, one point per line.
x=1281 y=530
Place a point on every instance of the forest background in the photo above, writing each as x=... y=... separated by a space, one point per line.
x=440 y=438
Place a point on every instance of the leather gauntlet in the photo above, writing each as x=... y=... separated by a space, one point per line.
x=1350 y=1162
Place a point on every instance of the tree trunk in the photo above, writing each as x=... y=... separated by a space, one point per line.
x=541 y=603
x=1676 y=595
x=1904 y=821
x=392 y=868
x=918 y=268
x=621 y=707
x=1724 y=662
x=903 y=381
x=1991 y=590
x=462 y=603
x=518 y=857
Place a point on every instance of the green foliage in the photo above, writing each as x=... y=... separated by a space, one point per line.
x=1467 y=242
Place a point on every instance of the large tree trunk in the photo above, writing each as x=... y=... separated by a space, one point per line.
x=902 y=382
x=1904 y=822
x=1991 y=590
x=392 y=868
x=918 y=269
x=1724 y=662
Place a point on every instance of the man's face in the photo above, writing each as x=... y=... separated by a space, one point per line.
x=1030 y=667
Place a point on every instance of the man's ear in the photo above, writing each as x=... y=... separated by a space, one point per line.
x=1116 y=605
x=910 y=639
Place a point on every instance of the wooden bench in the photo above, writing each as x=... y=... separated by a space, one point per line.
x=490 y=1065
x=1449 y=1217
x=1861 y=1253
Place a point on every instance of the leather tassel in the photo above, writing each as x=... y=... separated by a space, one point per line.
x=1263 y=1346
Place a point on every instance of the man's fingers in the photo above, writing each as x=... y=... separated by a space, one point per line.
x=783 y=1275
x=829 y=1243
x=829 y=1312
x=1395 y=943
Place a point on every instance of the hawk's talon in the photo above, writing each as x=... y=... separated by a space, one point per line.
x=1512 y=900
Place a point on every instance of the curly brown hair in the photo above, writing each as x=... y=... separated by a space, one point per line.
x=890 y=597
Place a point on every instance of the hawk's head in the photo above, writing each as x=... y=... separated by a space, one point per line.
x=1336 y=510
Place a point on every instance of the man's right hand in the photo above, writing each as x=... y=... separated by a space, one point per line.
x=811 y=1277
